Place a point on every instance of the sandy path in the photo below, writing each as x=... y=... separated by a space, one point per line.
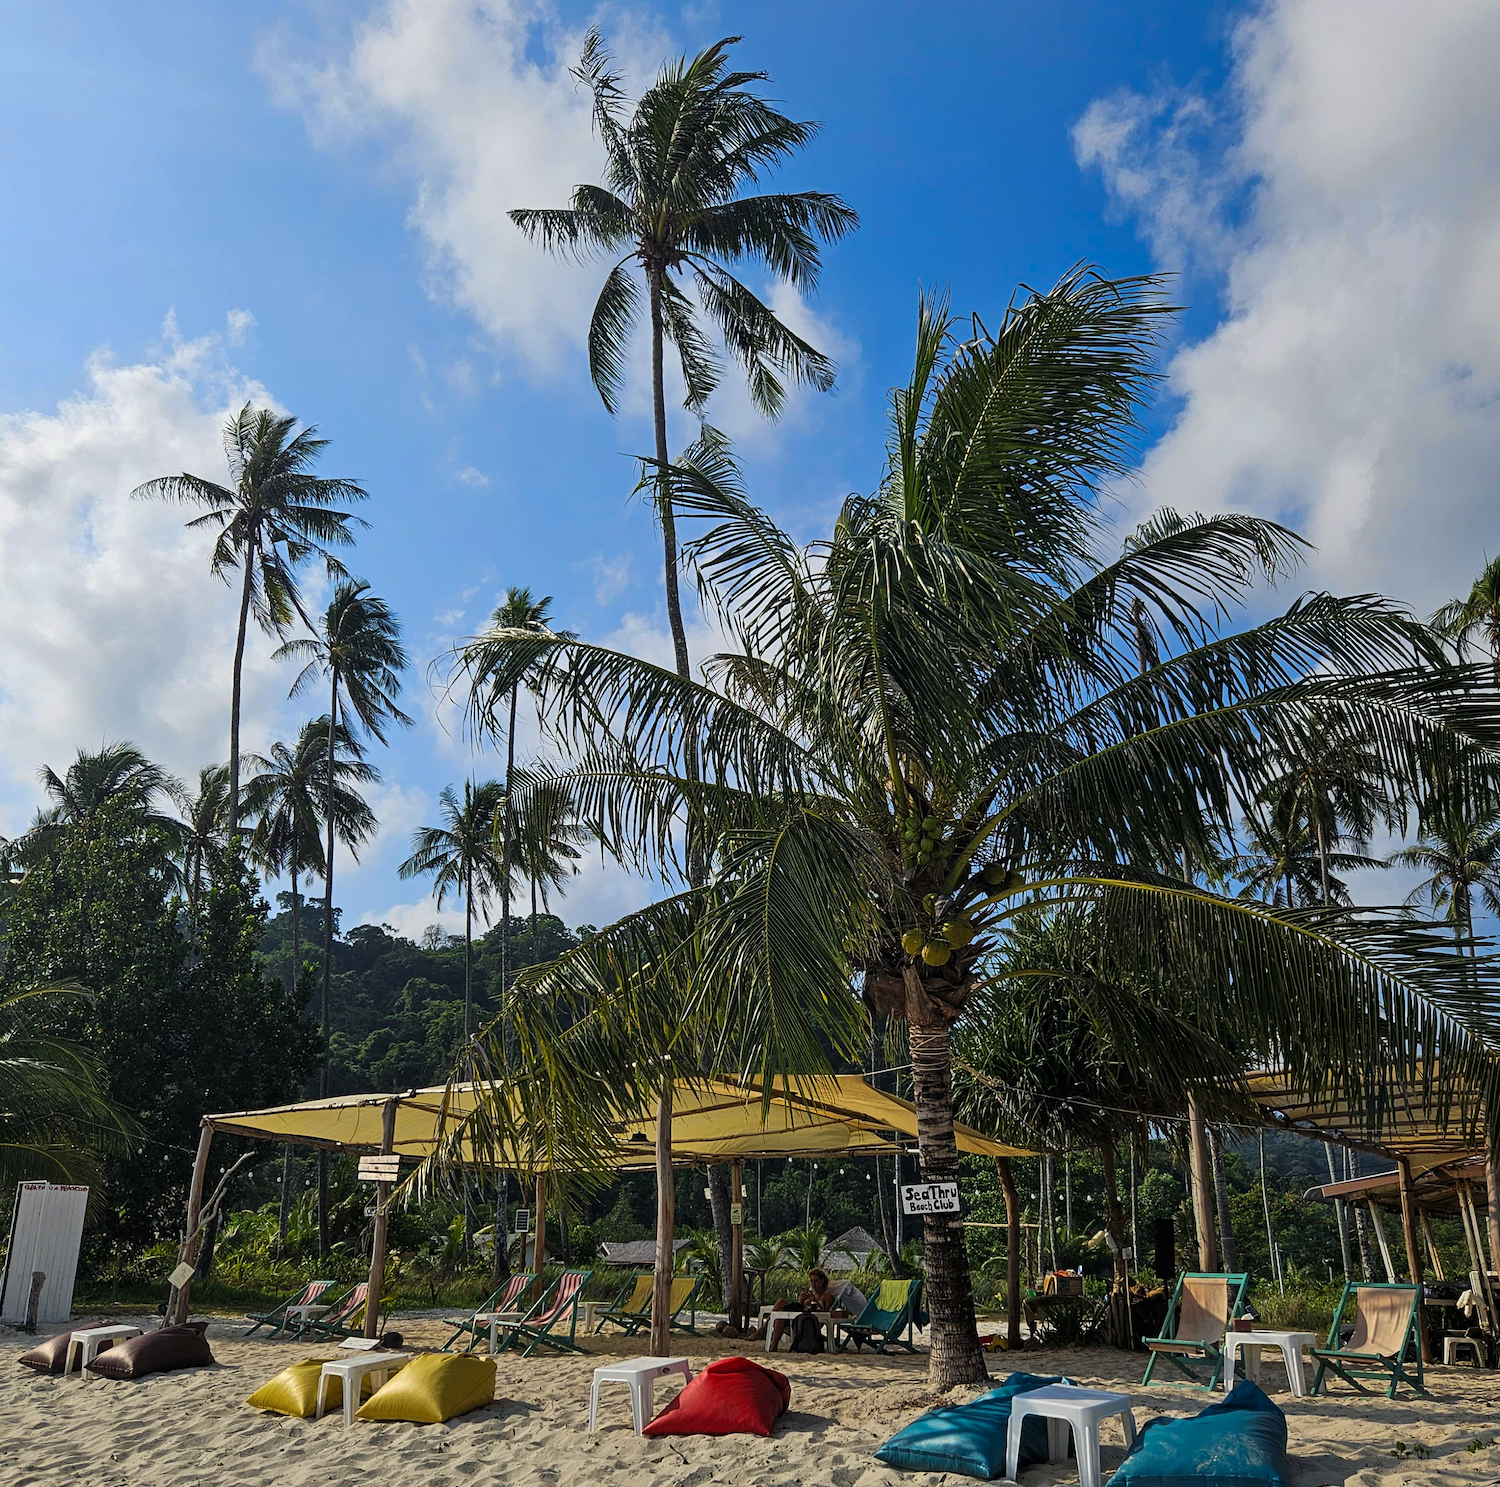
x=193 y=1428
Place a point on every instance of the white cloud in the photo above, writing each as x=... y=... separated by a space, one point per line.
x=468 y=475
x=410 y=919
x=611 y=576
x=1353 y=384
x=113 y=627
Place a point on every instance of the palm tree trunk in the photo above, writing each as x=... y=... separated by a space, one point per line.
x=1012 y=1252
x=333 y=719
x=468 y=947
x=234 y=693
x=296 y=932
x=666 y=1203
x=510 y=774
x=1341 y=1214
x=956 y=1357
x=1114 y=1222
x=1322 y=858
x=283 y=1216
x=663 y=499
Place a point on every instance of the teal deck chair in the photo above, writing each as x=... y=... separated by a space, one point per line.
x=1387 y=1340
x=280 y=1319
x=542 y=1325
x=1203 y=1308
x=895 y=1309
x=505 y=1303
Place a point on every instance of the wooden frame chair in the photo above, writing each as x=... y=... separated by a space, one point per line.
x=504 y=1303
x=1387 y=1339
x=339 y=1321
x=1203 y=1308
x=279 y=1319
x=540 y=1326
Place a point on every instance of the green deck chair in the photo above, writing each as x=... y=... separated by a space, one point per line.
x=896 y=1308
x=280 y=1319
x=341 y=1319
x=633 y=1303
x=505 y=1303
x=633 y=1311
x=1204 y=1305
x=1387 y=1340
x=542 y=1325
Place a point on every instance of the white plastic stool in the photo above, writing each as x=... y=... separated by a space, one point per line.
x=1451 y=1346
x=1063 y=1405
x=641 y=1374
x=89 y=1342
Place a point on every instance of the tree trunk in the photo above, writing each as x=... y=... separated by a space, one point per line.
x=234 y=693
x=283 y=1218
x=666 y=1204
x=1492 y=1203
x=1114 y=1223
x=510 y=774
x=500 y=1262
x=1229 y=1251
x=1012 y=1253
x=718 y=1203
x=468 y=949
x=323 y=1083
x=296 y=931
x=1203 y=1198
x=1361 y=1224
x=664 y=510
x=956 y=1357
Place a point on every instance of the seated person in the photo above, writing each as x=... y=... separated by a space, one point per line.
x=843 y=1299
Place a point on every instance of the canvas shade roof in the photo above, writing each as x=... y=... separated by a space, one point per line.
x=712 y=1121
x=1435 y=1189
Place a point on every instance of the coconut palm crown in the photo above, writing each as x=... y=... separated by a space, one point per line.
x=951 y=711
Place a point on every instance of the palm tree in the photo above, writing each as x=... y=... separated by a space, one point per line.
x=547 y=837
x=203 y=838
x=1459 y=849
x=462 y=857
x=520 y=611
x=1283 y=865
x=673 y=168
x=939 y=716
x=273 y=516
x=1476 y=615
x=358 y=650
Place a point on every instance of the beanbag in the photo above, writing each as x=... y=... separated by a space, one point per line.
x=294 y=1391
x=1239 y=1442
x=732 y=1396
x=49 y=1356
x=432 y=1388
x=155 y=1352
x=970 y=1438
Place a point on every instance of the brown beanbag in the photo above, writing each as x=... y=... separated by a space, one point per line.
x=49 y=1356
x=155 y=1352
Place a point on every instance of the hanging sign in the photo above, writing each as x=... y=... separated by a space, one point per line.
x=380 y=1169
x=182 y=1275
x=737 y=1215
x=929 y=1197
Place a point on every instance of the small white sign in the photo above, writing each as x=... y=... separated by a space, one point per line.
x=182 y=1275
x=371 y=1209
x=380 y=1169
x=929 y=1197
x=737 y=1215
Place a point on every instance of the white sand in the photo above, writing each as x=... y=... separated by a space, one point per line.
x=193 y=1427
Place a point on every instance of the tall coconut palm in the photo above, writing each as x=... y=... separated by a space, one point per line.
x=204 y=832
x=940 y=715
x=670 y=208
x=273 y=516
x=1458 y=848
x=461 y=856
x=1476 y=615
x=358 y=651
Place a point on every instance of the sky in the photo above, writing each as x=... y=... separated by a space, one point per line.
x=304 y=205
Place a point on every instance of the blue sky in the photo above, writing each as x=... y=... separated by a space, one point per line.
x=305 y=203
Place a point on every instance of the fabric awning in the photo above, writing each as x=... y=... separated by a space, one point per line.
x=712 y=1121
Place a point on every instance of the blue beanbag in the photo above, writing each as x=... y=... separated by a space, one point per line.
x=1239 y=1442
x=970 y=1438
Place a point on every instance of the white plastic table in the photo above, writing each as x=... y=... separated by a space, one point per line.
x=88 y=1343
x=351 y=1373
x=1063 y=1405
x=770 y=1316
x=1249 y=1344
x=641 y=1375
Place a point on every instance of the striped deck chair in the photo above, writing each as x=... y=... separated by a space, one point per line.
x=1202 y=1309
x=280 y=1319
x=504 y=1306
x=1386 y=1344
x=542 y=1325
x=342 y=1318
x=896 y=1308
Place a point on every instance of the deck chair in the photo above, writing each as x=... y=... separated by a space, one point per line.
x=542 y=1325
x=341 y=1319
x=632 y=1306
x=1386 y=1343
x=504 y=1304
x=1202 y=1308
x=279 y=1318
x=893 y=1310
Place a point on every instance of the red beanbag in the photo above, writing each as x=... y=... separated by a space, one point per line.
x=732 y=1396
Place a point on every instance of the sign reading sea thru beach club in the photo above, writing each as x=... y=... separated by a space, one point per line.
x=380 y=1169
x=929 y=1197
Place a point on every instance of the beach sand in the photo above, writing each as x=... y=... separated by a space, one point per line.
x=193 y=1427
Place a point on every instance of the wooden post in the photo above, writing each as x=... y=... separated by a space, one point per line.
x=1434 y=1259
x=666 y=1213
x=1378 y=1224
x=1492 y=1204
x=189 y=1251
x=1012 y=1252
x=1205 y=1210
x=382 y=1205
x=539 y=1226
x=1413 y=1255
x=737 y=1243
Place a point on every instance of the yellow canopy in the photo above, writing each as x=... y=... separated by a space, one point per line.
x=713 y=1120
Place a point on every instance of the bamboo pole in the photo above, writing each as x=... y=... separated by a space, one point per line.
x=1380 y=1239
x=1413 y=1254
x=737 y=1243
x=382 y=1209
x=1013 y=1236
x=189 y=1251
x=1205 y=1210
x=539 y=1244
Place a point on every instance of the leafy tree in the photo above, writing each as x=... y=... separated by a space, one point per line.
x=940 y=713
x=1458 y=848
x=674 y=166
x=1476 y=615
x=359 y=652
x=272 y=517
x=203 y=834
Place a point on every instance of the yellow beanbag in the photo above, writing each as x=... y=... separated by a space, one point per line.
x=434 y=1387
x=294 y=1391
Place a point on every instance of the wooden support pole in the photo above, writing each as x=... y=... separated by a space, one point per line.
x=666 y=1213
x=1013 y=1236
x=1433 y=1258
x=539 y=1244
x=1492 y=1203
x=1413 y=1253
x=382 y=1207
x=1380 y=1239
x=189 y=1251
x=737 y=1245
x=1205 y=1210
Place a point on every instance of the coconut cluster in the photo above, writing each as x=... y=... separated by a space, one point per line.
x=936 y=943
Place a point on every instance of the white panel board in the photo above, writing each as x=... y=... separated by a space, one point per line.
x=45 y=1235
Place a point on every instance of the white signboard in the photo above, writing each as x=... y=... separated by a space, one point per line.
x=380 y=1169
x=45 y=1234
x=929 y=1197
